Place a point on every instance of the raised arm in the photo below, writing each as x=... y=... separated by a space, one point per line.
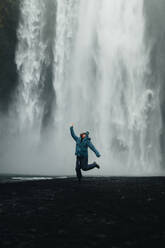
x=91 y=146
x=73 y=133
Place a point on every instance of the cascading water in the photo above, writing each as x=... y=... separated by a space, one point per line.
x=101 y=80
x=33 y=59
x=29 y=58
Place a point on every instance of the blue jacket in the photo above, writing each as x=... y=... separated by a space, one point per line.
x=82 y=145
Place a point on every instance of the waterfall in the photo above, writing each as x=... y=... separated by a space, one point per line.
x=128 y=105
x=101 y=79
x=32 y=59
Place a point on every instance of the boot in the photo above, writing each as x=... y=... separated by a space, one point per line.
x=96 y=165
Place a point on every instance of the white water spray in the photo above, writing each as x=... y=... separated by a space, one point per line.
x=101 y=81
x=30 y=58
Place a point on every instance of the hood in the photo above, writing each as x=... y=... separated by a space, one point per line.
x=87 y=133
x=87 y=136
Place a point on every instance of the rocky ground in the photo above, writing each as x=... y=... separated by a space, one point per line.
x=99 y=212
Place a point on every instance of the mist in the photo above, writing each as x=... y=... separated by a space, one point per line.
x=98 y=64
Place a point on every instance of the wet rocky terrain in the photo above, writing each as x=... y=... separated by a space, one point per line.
x=99 y=212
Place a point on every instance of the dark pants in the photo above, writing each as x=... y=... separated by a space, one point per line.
x=82 y=164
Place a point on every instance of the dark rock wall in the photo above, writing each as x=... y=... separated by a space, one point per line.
x=9 y=16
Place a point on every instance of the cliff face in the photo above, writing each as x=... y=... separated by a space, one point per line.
x=9 y=16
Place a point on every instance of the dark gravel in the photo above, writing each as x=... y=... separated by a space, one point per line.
x=99 y=212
